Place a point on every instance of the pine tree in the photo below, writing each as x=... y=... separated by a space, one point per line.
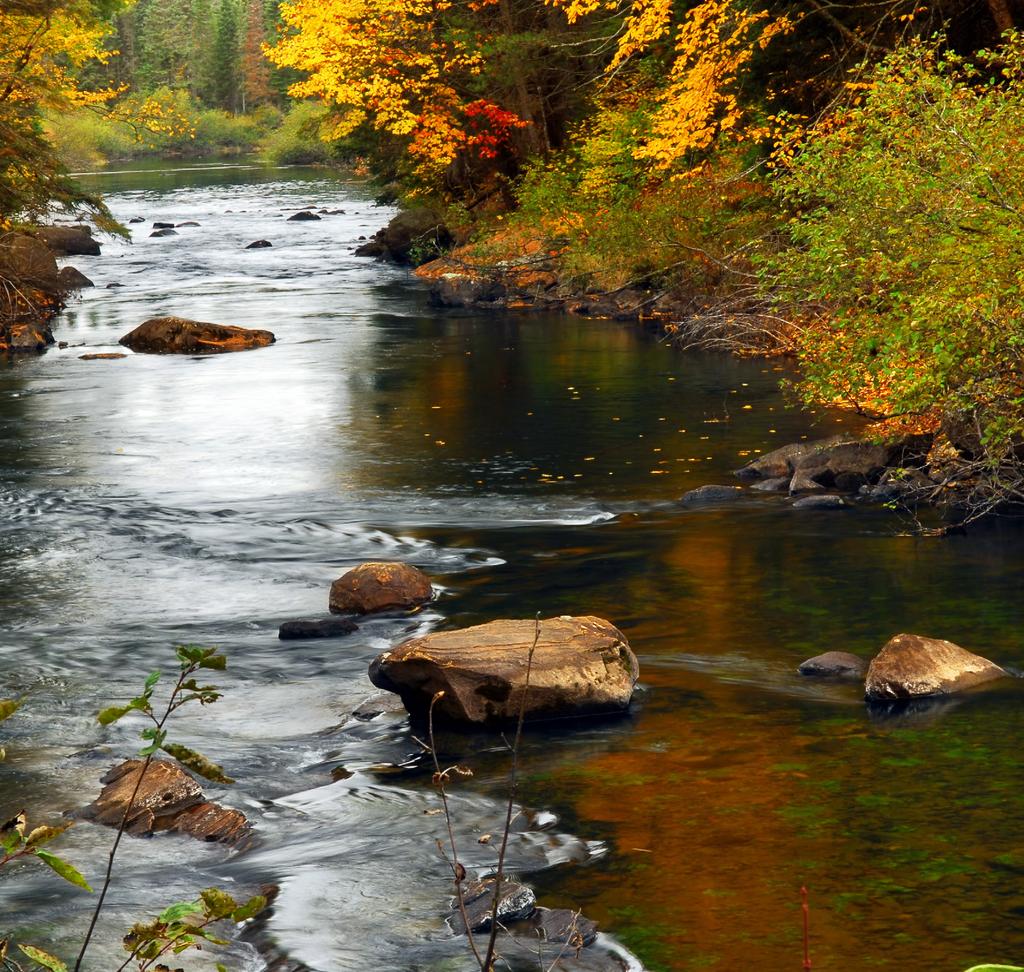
x=226 y=57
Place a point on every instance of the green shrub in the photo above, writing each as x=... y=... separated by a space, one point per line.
x=906 y=244
x=297 y=141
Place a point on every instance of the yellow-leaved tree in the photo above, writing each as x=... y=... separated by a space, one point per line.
x=404 y=68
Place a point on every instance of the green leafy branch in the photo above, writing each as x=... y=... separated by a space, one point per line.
x=186 y=926
x=192 y=659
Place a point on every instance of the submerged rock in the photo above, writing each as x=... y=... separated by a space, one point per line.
x=177 y=335
x=829 y=502
x=516 y=901
x=778 y=484
x=581 y=666
x=379 y=586
x=563 y=925
x=190 y=222
x=382 y=703
x=834 y=664
x=710 y=495
x=910 y=666
x=168 y=799
x=102 y=356
x=164 y=232
x=323 y=628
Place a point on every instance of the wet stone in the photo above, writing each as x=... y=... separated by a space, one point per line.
x=517 y=901
x=323 y=628
x=834 y=664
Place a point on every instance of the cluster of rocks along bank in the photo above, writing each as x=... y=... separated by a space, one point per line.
x=38 y=288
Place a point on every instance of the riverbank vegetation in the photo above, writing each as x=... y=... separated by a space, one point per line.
x=837 y=182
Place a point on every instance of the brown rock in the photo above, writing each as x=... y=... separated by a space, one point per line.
x=911 y=666
x=581 y=666
x=176 y=335
x=68 y=240
x=71 y=278
x=28 y=263
x=25 y=336
x=168 y=799
x=102 y=356
x=379 y=586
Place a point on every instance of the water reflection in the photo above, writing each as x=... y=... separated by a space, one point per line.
x=530 y=465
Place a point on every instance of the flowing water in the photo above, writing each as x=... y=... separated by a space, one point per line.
x=528 y=464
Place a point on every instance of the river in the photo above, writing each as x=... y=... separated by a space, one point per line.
x=528 y=464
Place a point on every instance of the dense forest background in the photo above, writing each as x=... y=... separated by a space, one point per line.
x=837 y=181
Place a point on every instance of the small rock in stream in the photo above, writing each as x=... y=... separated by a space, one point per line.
x=379 y=586
x=710 y=495
x=164 y=232
x=303 y=216
x=517 y=901
x=324 y=628
x=160 y=226
x=829 y=502
x=167 y=799
x=834 y=664
x=259 y=245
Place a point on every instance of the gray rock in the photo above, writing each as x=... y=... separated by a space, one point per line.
x=323 y=628
x=778 y=484
x=163 y=225
x=710 y=495
x=259 y=245
x=834 y=664
x=563 y=925
x=829 y=502
x=164 y=232
x=137 y=219
x=190 y=222
x=517 y=901
x=71 y=278
x=380 y=704
x=911 y=666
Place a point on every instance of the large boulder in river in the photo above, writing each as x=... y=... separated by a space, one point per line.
x=412 y=237
x=167 y=798
x=176 y=335
x=911 y=666
x=28 y=264
x=68 y=240
x=581 y=666
x=380 y=586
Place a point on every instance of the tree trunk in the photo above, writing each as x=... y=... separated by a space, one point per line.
x=1001 y=14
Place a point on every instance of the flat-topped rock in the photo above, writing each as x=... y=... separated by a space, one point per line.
x=168 y=799
x=911 y=666
x=178 y=335
x=581 y=666
x=710 y=495
x=68 y=240
x=379 y=586
x=517 y=901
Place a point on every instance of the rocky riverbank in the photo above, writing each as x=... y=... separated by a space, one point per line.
x=33 y=289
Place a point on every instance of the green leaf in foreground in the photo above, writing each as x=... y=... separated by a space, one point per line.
x=8 y=707
x=70 y=874
x=112 y=714
x=45 y=959
x=197 y=762
x=251 y=908
x=176 y=912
